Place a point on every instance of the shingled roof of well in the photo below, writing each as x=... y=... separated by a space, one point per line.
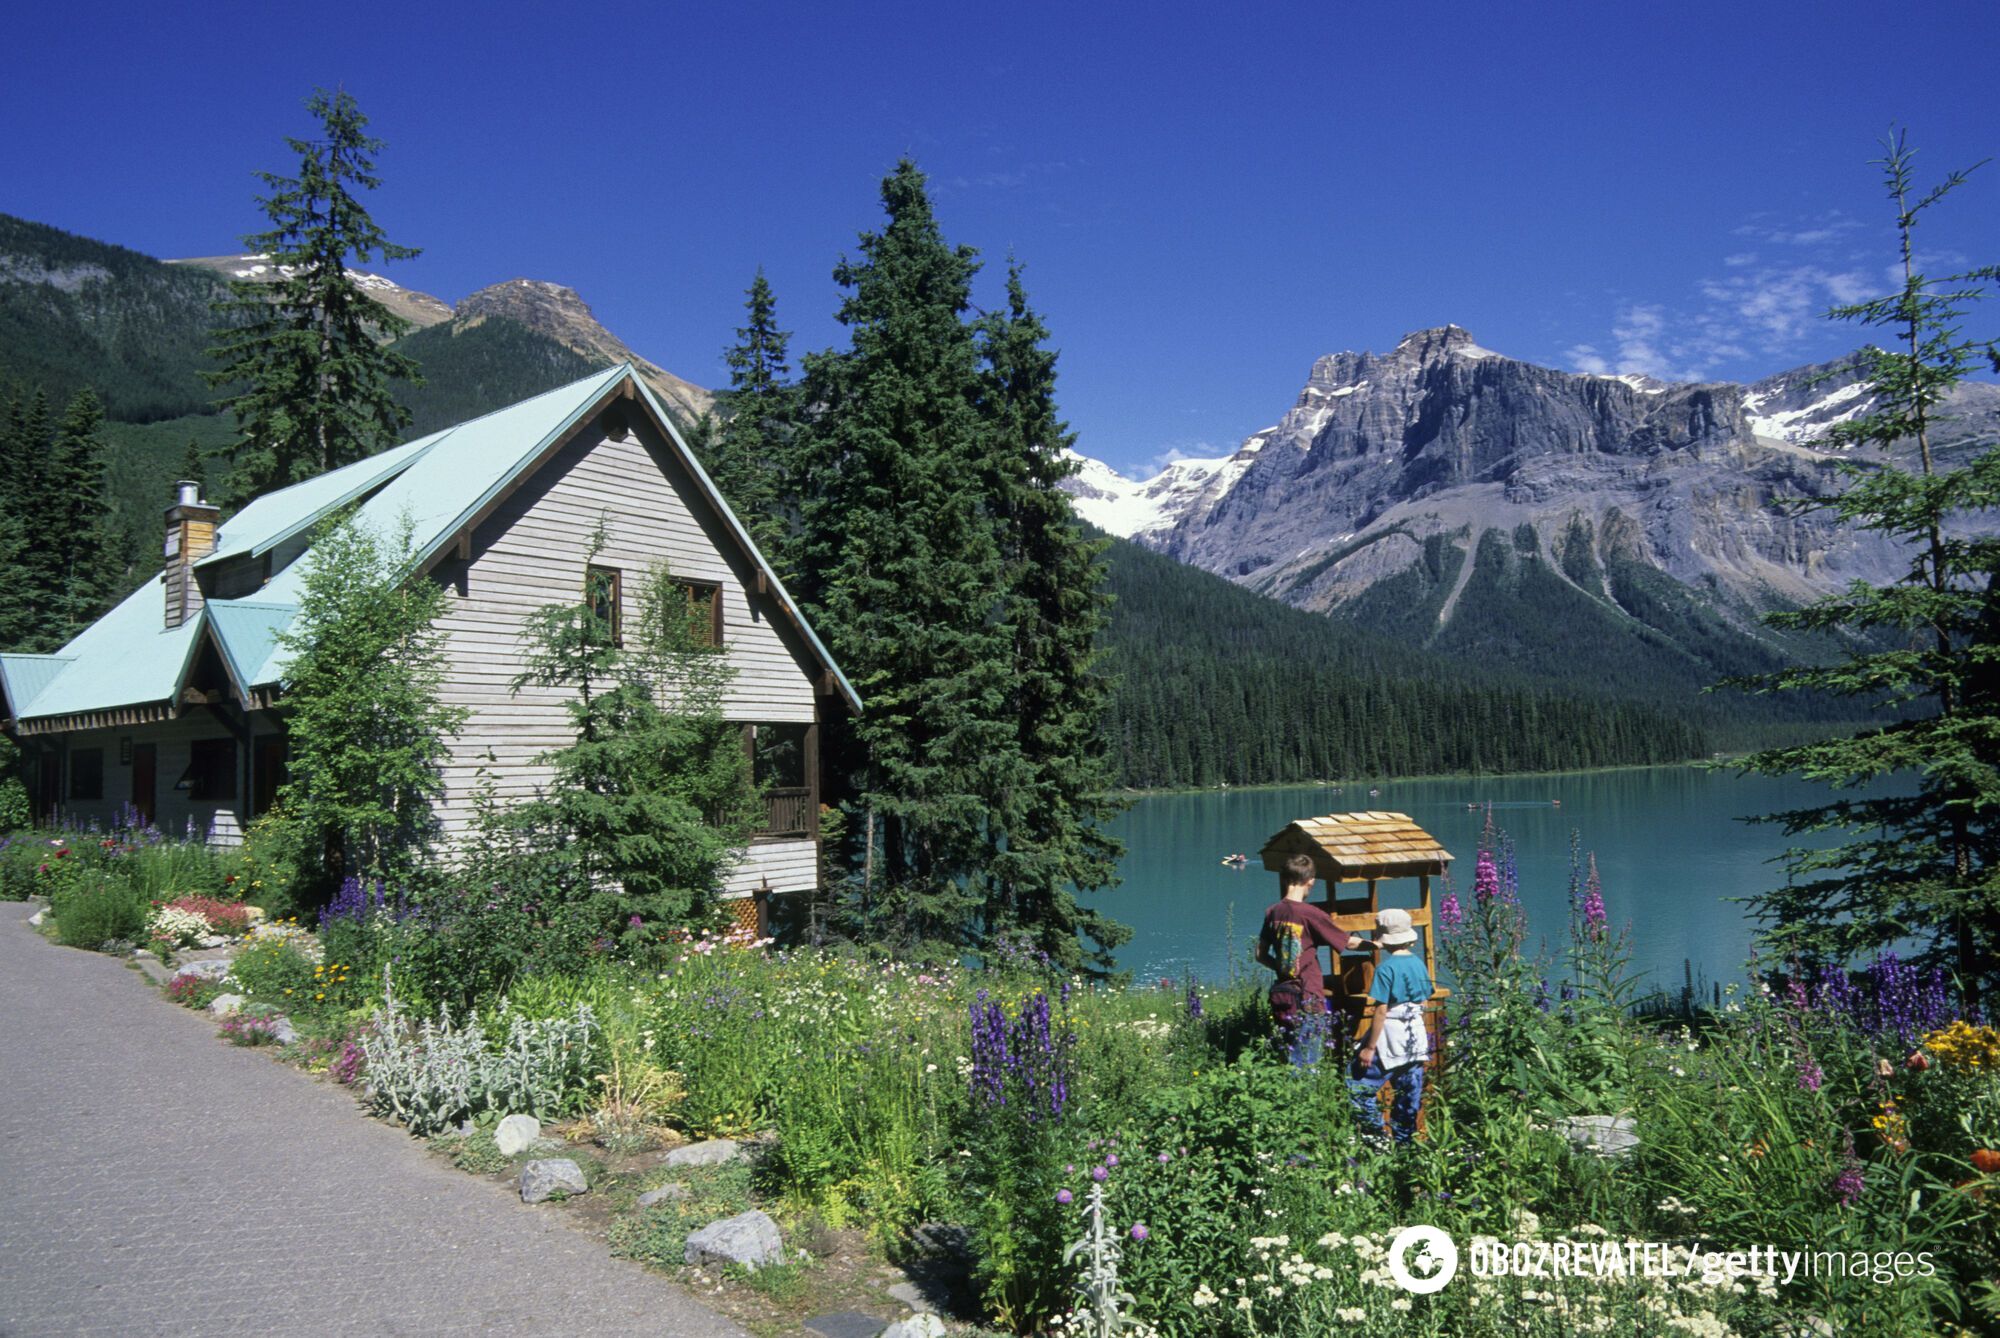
x=1360 y=845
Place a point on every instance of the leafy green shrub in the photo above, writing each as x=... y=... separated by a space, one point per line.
x=93 y=910
x=265 y=870
x=276 y=973
x=431 y=1075
x=168 y=870
x=20 y=854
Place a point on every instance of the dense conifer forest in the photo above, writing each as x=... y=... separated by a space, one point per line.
x=1217 y=685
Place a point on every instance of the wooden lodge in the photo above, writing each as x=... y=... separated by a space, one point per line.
x=173 y=702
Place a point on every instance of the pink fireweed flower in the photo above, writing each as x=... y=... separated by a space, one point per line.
x=1450 y=915
x=1485 y=879
x=1594 y=916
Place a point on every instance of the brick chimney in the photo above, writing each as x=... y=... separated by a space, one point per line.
x=190 y=538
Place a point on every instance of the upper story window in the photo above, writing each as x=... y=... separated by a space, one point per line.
x=702 y=602
x=602 y=587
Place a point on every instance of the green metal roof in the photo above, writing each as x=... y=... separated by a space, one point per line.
x=277 y=516
x=129 y=657
x=248 y=635
x=438 y=485
x=22 y=677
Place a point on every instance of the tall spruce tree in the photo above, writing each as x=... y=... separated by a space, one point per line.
x=1923 y=866
x=34 y=503
x=749 y=453
x=83 y=553
x=1056 y=608
x=306 y=361
x=904 y=577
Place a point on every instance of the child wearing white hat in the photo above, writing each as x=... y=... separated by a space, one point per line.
x=1394 y=1042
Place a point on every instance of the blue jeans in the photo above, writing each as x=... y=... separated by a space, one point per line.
x=1364 y=1085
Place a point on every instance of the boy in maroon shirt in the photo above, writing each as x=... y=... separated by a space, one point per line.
x=1289 y=944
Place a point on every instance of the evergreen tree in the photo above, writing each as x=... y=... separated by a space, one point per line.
x=193 y=466
x=83 y=554
x=903 y=575
x=654 y=798
x=368 y=732
x=749 y=454
x=34 y=505
x=1926 y=865
x=307 y=361
x=1056 y=608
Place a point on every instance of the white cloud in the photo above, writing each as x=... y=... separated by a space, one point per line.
x=1756 y=306
x=1586 y=358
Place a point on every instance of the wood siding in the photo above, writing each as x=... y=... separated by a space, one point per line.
x=533 y=550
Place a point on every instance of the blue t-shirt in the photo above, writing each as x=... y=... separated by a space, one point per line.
x=1400 y=978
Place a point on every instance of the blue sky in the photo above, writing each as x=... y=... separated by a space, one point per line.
x=1206 y=197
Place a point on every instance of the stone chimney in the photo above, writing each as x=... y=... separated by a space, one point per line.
x=190 y=538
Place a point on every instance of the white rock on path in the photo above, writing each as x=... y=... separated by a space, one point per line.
x=517 y=1133
x=750 y=1239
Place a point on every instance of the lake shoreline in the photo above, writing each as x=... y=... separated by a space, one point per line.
x=1135 y=792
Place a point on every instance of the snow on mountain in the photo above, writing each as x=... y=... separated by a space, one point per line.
x=1131 y=508
x=1805 y=424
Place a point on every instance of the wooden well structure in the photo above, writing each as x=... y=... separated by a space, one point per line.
x=1366 y=849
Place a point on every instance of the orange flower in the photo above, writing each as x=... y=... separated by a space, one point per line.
x=1986 y=1161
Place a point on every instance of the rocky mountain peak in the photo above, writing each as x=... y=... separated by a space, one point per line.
x=561 y=313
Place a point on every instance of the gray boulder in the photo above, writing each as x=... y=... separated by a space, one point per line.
x=283 y=1032
x=211 y=968
x=226 y=1005
x=1606 y=1135
x=541 y=1180
x=714 y=1152
x=670 y=1192
x=517 y=1133
x=750 y=1239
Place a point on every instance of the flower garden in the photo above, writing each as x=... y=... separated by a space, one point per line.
x=1137 y=1159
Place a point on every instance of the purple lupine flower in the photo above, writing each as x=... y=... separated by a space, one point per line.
x=1193 y=1002
x=1509 y=871
x=1847 y=1186
x=1542 y=994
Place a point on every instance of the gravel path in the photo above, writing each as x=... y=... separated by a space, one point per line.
x=154 y=1180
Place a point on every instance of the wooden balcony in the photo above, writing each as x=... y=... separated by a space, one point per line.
x=790 y=814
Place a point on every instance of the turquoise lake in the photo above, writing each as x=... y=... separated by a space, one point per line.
x=1672 y=850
